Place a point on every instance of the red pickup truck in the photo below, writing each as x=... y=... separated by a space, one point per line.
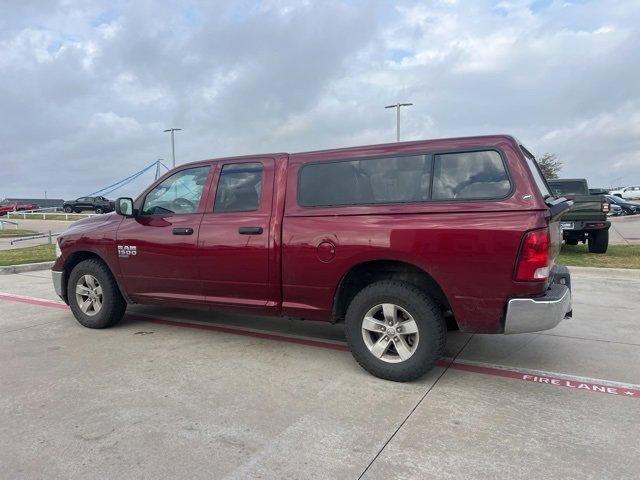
x=8 y=207
x=394 y=240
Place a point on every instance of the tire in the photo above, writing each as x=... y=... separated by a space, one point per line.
x=598 y=241
x=68 y=209
x=99 y=210
x=408 y=300
x=571 y=241
x=113 y=304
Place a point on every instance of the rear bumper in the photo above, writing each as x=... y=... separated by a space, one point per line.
x=541 y=313
x=580 y=225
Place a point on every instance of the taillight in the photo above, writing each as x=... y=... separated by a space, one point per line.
x=534 y=260
x=605 y=207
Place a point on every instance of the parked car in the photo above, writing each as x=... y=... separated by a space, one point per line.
x=614 y=210
x=627 y=208
x=392 y=240
x=628 y=193
x=587 y=219
x=97 y=204
x=6 y=207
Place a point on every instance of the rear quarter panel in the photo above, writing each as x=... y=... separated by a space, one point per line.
x=468 y=247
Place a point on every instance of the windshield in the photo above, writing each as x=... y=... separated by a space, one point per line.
x=536 y=172
x=568 y=187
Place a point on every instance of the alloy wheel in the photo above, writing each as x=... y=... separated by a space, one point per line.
x=89 y=294
x=390 y=333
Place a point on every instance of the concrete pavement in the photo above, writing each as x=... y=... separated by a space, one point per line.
x=148 y=399
x=625 y=230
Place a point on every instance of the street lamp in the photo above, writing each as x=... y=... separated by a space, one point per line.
x=158 y=162
x=173 y=146
x=397 y=107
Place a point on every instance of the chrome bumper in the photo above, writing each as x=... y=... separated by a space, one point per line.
x=536 y=314
x=57 y=282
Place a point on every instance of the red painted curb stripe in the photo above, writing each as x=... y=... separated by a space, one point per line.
x=548 y=380
x=32 y=301
x=457 y=365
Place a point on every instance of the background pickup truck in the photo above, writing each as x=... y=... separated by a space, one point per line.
x=586 y=221
x=7 y=207
x=393 y=240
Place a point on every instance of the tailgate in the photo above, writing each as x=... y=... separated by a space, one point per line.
x=586 y=207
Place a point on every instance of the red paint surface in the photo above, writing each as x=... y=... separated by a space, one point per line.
x=454 y=365
x=468 y=247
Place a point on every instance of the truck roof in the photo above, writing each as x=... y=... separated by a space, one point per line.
x=489 y=139
x=567 y=180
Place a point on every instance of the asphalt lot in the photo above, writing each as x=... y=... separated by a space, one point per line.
x=220 y=399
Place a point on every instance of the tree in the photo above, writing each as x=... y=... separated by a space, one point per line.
x=550 y=165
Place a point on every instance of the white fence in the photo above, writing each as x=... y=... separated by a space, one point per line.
x=8 y=222
x=51 y=211
x=36 y=236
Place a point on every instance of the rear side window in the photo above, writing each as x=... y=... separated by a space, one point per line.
x=568 y=187
x=369 y=181
x=470 y=175
x=239 y=188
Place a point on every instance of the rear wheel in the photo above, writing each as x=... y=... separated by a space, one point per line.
x=68 y=209
x=598 y=241
x=94 y=296
x=395 y=330
x=571 y=241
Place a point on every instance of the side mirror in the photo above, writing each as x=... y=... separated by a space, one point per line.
x=124 y=207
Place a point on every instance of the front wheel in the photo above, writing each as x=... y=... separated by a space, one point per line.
x=99 y=210
x=598 y=241
x=395 y=331
x=94 y=296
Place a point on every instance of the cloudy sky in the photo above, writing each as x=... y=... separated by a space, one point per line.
x=87 y=87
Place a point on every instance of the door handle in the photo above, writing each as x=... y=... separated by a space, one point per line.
x=250 y=230
x=183 y=231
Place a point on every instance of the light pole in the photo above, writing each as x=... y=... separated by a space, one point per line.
x=158 y=168
x=397 y=107
x=173 y=145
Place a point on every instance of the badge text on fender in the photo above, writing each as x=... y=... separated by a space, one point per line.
x=125 y=251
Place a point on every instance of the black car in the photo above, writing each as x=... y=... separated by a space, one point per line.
x=628 y=208
x=97 y=204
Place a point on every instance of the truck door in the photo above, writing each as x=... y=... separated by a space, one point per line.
x=157 y=249
x=234 y=236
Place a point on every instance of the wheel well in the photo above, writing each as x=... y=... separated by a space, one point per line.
x=74 y=259
x=369 y=272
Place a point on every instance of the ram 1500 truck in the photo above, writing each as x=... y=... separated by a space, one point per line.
x=586 y=221
x=393 y=240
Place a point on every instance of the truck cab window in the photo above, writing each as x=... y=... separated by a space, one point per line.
x=180 y=193
x=239 y=188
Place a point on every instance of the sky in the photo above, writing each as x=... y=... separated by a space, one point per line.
x=88 y=87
